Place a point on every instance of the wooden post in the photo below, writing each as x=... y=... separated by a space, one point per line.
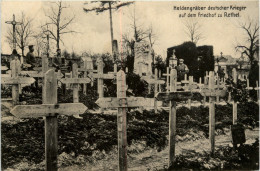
x=85 y=86
x=185 y=77
x=217 y=98
x=211 y=114
x=204 y=97
x=121 y=122
x=15 y=70
x=44 y=70
x=190 y=84
x=172 y=119
x=234 y=74
x=155 y=90
x=51 y=125
x=160 y=75
x=167 y=79
x=100 y=81
x=75 y=86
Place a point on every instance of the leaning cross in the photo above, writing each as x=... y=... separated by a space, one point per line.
x=122 y=103
x=49 y=109
x=15 y=80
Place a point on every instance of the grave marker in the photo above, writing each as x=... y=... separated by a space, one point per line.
x=49 y=109
x=15 y=80
x=211 y=92
x=75 y=81
x=101 y=77
x=173 y=96
x=122 y=102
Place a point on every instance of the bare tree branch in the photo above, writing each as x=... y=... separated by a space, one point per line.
x=58 y=25
x=251 y=28
x=193 y=30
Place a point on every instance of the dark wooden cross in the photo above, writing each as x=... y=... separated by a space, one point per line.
x=75 y=81
x=14 y=23
x=49 y=109
x=211 y=92
x=173 y=96
x=156 y=82
x=100 y=76
x=122 y=103
x=87 y=69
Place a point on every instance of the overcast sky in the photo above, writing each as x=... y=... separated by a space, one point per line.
x=94 y=30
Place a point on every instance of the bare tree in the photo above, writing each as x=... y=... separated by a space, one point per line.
x=139 y=33
x=251 y=46
x=193 y=30
x=57 y=24
x=23 y=33
x=102 y=6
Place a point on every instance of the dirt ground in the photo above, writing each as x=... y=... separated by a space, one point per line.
x=152 y=160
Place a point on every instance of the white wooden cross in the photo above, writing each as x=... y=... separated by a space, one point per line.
x=49 y=109
x=15 y=80
x=122 y=103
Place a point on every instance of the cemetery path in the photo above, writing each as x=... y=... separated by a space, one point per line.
x=152 y=160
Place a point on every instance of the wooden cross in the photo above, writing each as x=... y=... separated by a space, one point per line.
x=14 y=23
x=173 y=96
x=122 y=103
x=38 y=72
x=211 y=92
x=49 y=109
x=15 y=80
x=167 y=78
x=101 y=77
x=150 y=80
x=75 y=81
x=87 y=69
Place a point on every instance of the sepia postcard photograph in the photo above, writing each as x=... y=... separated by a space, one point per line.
x=129 y=85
